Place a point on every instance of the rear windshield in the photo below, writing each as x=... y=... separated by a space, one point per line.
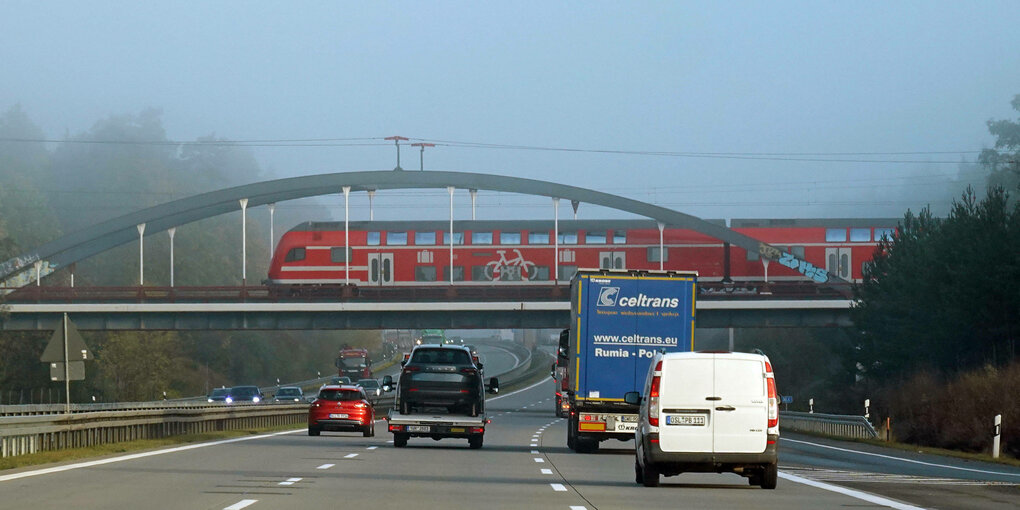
x=218 y=392
x=289 y=392
x=339 y=395
x=441 y=356
x=244 y=391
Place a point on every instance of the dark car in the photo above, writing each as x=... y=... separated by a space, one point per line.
x=441 y=376
x=218 y=395
x=371 y=387
x=338 y=381
x=288 y=394
x=245 y=394
x=341 y=408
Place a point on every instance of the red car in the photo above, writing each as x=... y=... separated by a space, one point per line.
x=341 y=408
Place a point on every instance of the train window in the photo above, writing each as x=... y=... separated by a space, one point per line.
x=538 y=237
x=567 y=272
x=479 y=274
x=595 y=238
x=481 y=238
x=396 y=238
x=619 y=237
x=886 y=232
x=509 y=238
x=338 y=254
x=424 y=238
x=425 y=274
x=510 y=274
x=835 y=235
x=539 y=274
x=797 y=251
x=568 y=237
x=860 y=235
x=373 y=239
x=458 y=238
x=752 y=255
x=294 y=255
x=458 y=273
x=653 y=254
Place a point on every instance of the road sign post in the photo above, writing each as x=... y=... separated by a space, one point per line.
x=66 y=353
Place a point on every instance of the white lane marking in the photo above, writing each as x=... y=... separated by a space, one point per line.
x=546 y=471
x=534 y=452
x=864 y=496
x=543 y=381
x=350 y=455
x=578 y=507
x=325 y=466
x=539 y=460
x=558 y=487
x=241 y=504
x=902 y=459
x=371 y=448
x=390 y=441
x=58 y=469
x=290 y=481
x=533 y=444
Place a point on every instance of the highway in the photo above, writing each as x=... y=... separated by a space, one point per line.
x=524 y=464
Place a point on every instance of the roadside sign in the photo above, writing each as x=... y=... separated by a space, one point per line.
x=787 y=399
x=75 y=371
x=76 y=348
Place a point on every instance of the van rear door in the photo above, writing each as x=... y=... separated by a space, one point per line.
x=685 y=416
x=741 y=413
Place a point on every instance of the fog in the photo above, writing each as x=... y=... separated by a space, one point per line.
x=722 y=111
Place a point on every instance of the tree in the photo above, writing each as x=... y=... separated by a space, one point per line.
x=1003 y=162
x=942 y=294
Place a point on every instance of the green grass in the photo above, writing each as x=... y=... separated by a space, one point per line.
x=982 y=457
x=105 y=450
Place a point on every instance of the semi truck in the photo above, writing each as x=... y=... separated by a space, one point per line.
x=619 y=320
x=354 y=363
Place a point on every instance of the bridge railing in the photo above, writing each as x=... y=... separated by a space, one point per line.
x=835 y=425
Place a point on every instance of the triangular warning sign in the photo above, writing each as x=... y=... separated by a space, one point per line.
x=76 y=348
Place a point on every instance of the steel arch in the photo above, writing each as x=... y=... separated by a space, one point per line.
x=115 y=232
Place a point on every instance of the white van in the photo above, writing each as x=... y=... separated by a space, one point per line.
x=707 y=412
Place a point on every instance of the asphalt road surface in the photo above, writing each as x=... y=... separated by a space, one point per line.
x=523 y=464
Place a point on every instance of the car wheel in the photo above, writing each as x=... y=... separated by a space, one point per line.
x=586 y=445
x=639 y=477
x=475 y=441
x=369 y=430
x=649 y=476
x=572 y=434
x=313 y=431
x=770 y=476
x=399 y=440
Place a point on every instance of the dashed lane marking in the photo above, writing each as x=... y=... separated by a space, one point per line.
x=290 y=481
x=241 y=504
x=558 y=487
x=539 y=459
x=325 y=466
x=350 y=455
x=546 y=471
x=371 y=447
x=534 y=452
x=578 y=507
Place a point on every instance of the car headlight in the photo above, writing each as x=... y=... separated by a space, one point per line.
x=229 y=400
x=208 y=400
x=255 y=399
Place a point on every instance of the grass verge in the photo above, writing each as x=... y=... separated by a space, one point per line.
x=106 y=450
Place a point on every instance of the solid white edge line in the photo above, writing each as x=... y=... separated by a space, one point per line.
x=864 y=496
x=901 y=459
x=241 y=504
x=132 y=456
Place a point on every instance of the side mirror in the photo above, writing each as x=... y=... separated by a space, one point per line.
x=387 y=383
x=481 y=367
x=632 y=397
x=493 y=386
x=552 y=371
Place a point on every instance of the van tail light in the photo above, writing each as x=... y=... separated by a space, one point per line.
x=411 y=369
x=469 y=371
x=773 y=403
x=653 y=396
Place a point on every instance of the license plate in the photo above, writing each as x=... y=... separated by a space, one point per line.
x=418 y=428
x=696 y=420
x=338 y=415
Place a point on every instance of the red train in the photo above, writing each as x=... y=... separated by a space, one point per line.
x=522 y=252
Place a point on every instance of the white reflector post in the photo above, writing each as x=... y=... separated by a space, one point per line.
x=997 y=436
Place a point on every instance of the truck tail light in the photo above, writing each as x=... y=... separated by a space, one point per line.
x=477 y=430
x=653 y=396
x=396 y=428
x=773 y=404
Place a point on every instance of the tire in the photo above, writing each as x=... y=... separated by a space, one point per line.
x=770 y=476
x=639 y=477
x=475 y=442
x=313 y=431
x=399 y=440
x=586 y=445
x=369 y=430
x=572 y=434
x=649 y=476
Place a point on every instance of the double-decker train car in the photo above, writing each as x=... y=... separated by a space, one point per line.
x=417 y=253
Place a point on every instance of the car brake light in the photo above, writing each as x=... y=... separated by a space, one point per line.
x=396 y=428
x=773 y=404
x=653 y=396
x=468 y=370
x=411 y=369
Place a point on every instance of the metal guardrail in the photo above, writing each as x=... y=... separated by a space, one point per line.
x=21 y=435
x=836 y=425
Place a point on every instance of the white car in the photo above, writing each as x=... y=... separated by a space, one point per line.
x=708 y=412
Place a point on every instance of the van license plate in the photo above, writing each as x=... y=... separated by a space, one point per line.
x=685 y=419
x=418 y=428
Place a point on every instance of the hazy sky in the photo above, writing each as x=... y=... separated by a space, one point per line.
x=723 y=78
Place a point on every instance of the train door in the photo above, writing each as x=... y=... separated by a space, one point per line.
x=612 y=260
x=837 y=262
x=380 y=268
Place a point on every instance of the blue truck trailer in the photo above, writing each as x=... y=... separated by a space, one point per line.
x=618 y=321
